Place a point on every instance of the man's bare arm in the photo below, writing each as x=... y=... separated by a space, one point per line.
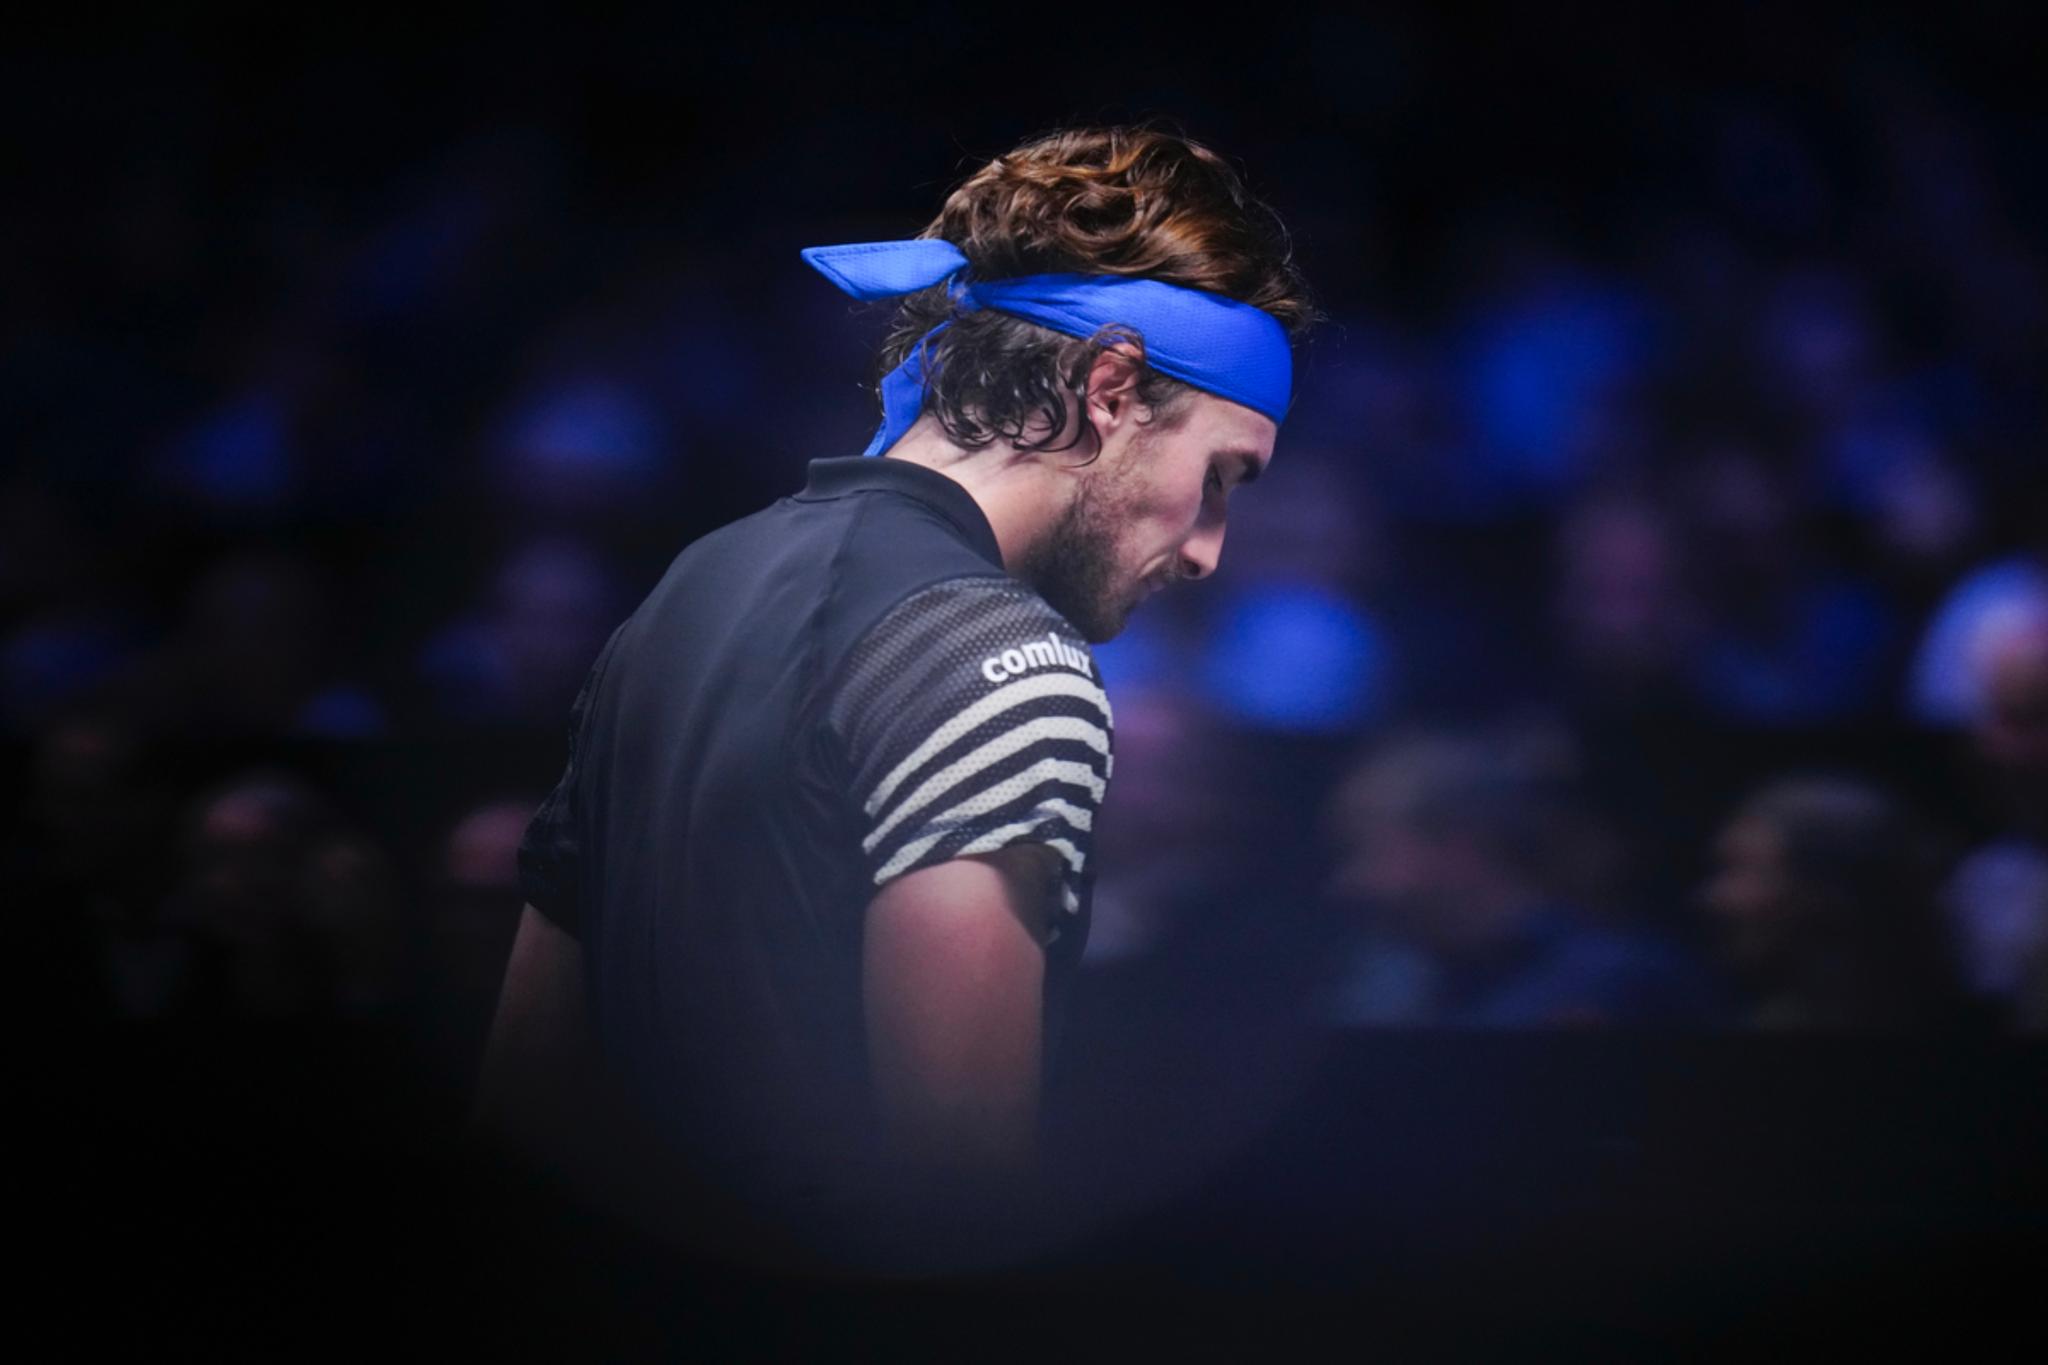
x=546 y=1095
x=954 y=965
x=536 y=1062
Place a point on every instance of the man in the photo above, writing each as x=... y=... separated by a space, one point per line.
x=802 y=907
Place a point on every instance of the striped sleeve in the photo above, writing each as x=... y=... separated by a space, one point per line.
x=973 y=719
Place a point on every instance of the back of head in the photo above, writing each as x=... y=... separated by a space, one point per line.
x=1130 y=201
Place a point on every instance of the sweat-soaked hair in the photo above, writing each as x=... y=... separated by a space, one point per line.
x=1133 y=201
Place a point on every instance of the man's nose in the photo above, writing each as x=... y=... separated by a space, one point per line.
x=1202 y=552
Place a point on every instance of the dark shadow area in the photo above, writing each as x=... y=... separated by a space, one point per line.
x=302 y=1190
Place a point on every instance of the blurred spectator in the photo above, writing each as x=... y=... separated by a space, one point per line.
x=1295 y=657
x=259 y=653
x=1822 y=906
x=1789 y=638
x=1201 y=909
x=2011 y=732
x=60 y=656
x=1166 y=827
x=521 y=655
x=1381 y=392
x=583 y=449
x=354 y=914
x=1624 y=613
x=1818 y=348
x=1201 y=958
x=1997 y=899
x=1547 y=367
x=292 y=913
x=1990 y=606
x=1919 y=506
x=240 y=463
x=237 y=900
x=69 y=628
x=91 y=874
x=1997 y=904
x=1461 y=853
x=1322 y=525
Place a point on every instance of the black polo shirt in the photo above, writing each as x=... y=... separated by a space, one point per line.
x=833 y=692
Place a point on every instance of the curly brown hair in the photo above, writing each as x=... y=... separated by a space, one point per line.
x=1138 y=201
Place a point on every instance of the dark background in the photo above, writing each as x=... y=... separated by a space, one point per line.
x=360 y=371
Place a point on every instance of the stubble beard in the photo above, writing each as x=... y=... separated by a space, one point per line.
x=1074 y=565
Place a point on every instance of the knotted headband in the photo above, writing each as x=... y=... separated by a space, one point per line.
x=1217 y=344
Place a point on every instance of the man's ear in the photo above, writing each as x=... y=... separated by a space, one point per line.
x=1112 y=392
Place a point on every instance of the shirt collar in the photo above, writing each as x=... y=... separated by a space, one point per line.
x=837 y=478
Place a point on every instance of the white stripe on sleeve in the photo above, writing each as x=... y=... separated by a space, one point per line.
x=994 y=798
x=986 y=843
x=1042 y=730
x=994 y=704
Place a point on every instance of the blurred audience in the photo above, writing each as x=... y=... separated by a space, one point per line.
x=1622 y=601
x=1304 y=559
x=66 y=624
x=286 y=910
x=1790 y=638
x=520 y=655
x=90 y=873
x=1992 y=604
x=1472 y=866
x=1822 y=906
x=326 y=470
x=260 y=650
x=1997 y=899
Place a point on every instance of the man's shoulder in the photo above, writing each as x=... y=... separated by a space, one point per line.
x=865 y=552
x=903 y=574
x=984 y=625
x=967 y=656
x=971 y=717
x=888 y=547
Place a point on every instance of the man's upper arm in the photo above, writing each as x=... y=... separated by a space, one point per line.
x=953 y=973
x=539 y=1038
x=977 y=739
x=972 y=720
x=545 y=1093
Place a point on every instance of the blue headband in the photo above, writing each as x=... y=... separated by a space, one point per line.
x=1217 y=344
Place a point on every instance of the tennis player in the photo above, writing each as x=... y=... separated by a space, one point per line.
x=803 y=906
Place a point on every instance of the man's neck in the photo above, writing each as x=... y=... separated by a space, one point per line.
x=1018 y=494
